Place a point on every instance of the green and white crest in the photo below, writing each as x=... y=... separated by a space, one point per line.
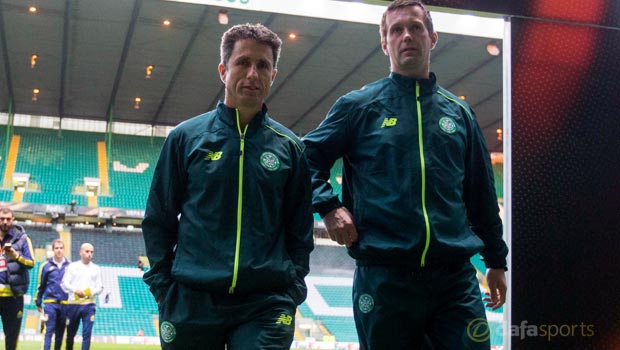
x=270 y=161
x=447 y=125
x=167 y=331
x=366 y=303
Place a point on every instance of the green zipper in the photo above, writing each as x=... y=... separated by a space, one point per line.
x=423 y=173
x=231 y=290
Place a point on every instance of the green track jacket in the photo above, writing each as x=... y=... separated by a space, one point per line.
x=229 y=209
x=417 y=175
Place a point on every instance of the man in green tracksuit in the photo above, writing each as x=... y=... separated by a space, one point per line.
x=418 y=199
x=228 y=224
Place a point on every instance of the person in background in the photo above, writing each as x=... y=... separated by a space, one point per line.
x=418 y=199
x=51 y=299
x=228 y=224
x=82 y=281
x=15 y=261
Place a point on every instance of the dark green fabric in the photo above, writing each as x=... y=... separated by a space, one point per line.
x=263 y=321
x=197 y=177
x=415 y=307
x=376 y=132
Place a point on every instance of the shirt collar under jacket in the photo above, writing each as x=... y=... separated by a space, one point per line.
x=58 y=264
x=427 y=86
x=229 y=117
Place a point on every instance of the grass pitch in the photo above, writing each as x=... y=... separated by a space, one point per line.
x=38 y=345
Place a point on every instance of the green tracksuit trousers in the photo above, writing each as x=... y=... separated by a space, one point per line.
x=411 y=308
x=193 y=319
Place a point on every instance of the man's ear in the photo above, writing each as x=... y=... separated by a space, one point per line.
x=384 y=47
x=434 y=39
x=273 y=76
x=221 y=68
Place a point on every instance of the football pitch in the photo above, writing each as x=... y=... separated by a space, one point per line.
x=38 y=345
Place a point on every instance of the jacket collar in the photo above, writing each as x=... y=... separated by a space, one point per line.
x=229 y=117
x=63 y=263
x=427 y=86
x=14 y=233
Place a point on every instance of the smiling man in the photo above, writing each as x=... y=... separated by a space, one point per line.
x=418 y=199
x=228 y=225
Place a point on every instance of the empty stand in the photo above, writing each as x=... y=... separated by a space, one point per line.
x=57 y=161
x=121 y=247
x=131 y=165
x=40 y=235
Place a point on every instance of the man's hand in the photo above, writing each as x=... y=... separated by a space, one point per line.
x=340 y=227
x=11 y=253
x=80 y=293
x=496 y=280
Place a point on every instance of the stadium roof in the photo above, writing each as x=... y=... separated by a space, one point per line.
x=92 y=59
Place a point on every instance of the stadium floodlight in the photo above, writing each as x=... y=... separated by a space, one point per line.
x=222 y=17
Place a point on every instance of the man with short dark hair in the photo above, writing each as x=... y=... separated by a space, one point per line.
x=228 y=226
x=15 y=261
x=51 y=299
x=418 y=199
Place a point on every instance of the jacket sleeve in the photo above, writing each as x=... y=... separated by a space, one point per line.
x=25 y=255
x=324 y=146
x=160 y=224
x=480 y=197
x=299 y=225
x=42 y=279
x=98 y=284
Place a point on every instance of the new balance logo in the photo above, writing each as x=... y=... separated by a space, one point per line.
x=389 y=122
x=285 y=319
x=213 y=155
